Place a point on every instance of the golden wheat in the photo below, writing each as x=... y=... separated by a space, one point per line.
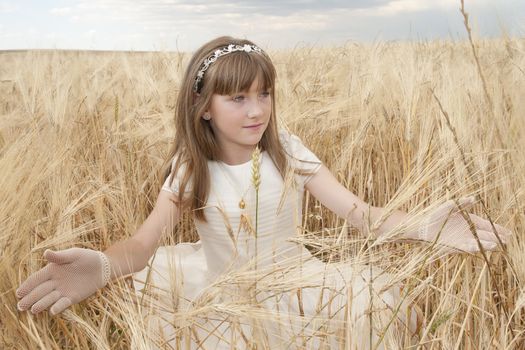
x=84 y=135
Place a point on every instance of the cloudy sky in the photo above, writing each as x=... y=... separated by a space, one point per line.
x=185 y=24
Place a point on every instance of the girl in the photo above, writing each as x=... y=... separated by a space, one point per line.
x=243 y=181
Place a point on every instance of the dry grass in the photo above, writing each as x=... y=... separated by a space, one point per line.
x=83 y=137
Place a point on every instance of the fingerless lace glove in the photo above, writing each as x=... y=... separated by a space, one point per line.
x=447 y=226
x=71 y=276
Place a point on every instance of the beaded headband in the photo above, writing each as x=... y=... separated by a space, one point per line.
x=218 y=53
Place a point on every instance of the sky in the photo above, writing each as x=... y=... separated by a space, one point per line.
x=181 y=25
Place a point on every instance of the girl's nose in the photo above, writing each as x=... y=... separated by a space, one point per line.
x=254 y=110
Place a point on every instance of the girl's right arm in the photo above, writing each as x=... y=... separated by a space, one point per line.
x=74 y=274
x=132 y=254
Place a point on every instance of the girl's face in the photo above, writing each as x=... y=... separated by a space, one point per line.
x=238 y=121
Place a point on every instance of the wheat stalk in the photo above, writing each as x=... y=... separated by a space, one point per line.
x=256 y=181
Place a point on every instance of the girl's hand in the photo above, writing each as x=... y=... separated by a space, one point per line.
x=71 y=276
x=451 y=229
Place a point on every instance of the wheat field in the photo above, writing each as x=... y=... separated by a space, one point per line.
x=84 y=137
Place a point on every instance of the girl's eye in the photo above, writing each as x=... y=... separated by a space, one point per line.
x=238 y=98
x=265 y=94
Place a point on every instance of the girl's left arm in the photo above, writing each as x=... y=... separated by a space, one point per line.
x=448 y=225
x=325 y=188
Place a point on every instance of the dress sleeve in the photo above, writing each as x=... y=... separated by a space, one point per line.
x=304 y=162
x=174 y=187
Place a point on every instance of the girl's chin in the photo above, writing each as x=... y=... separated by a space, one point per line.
x=256 y=135
x=258 y=139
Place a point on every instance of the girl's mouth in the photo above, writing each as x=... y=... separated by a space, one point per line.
x=254 y=126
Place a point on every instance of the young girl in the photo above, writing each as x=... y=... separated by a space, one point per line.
x=243 y=180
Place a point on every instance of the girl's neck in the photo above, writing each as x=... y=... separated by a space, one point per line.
x=238 y=156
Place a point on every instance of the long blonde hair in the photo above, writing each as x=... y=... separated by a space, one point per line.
x=195 y=142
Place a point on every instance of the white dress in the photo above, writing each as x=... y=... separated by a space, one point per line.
x=236 y=287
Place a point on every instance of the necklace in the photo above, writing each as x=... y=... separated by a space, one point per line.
x=242 y=203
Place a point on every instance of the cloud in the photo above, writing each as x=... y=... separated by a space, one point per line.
x=6 y=7
x=249 y=17
x=403 y=6
x=400 y=7
x=172 y=11
x=62 y=11
x=90 y=33
x=286 y=8
x=184 y=24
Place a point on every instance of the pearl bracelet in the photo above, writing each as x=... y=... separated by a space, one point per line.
x=106 y=268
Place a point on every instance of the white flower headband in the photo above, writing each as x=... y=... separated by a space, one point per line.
x=218 y=53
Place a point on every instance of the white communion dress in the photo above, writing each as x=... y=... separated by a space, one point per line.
x=247 y=283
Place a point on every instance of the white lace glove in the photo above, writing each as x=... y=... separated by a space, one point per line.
x=71 y=276
x=454 y=231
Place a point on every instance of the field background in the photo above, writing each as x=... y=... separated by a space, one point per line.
x=84 y=137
